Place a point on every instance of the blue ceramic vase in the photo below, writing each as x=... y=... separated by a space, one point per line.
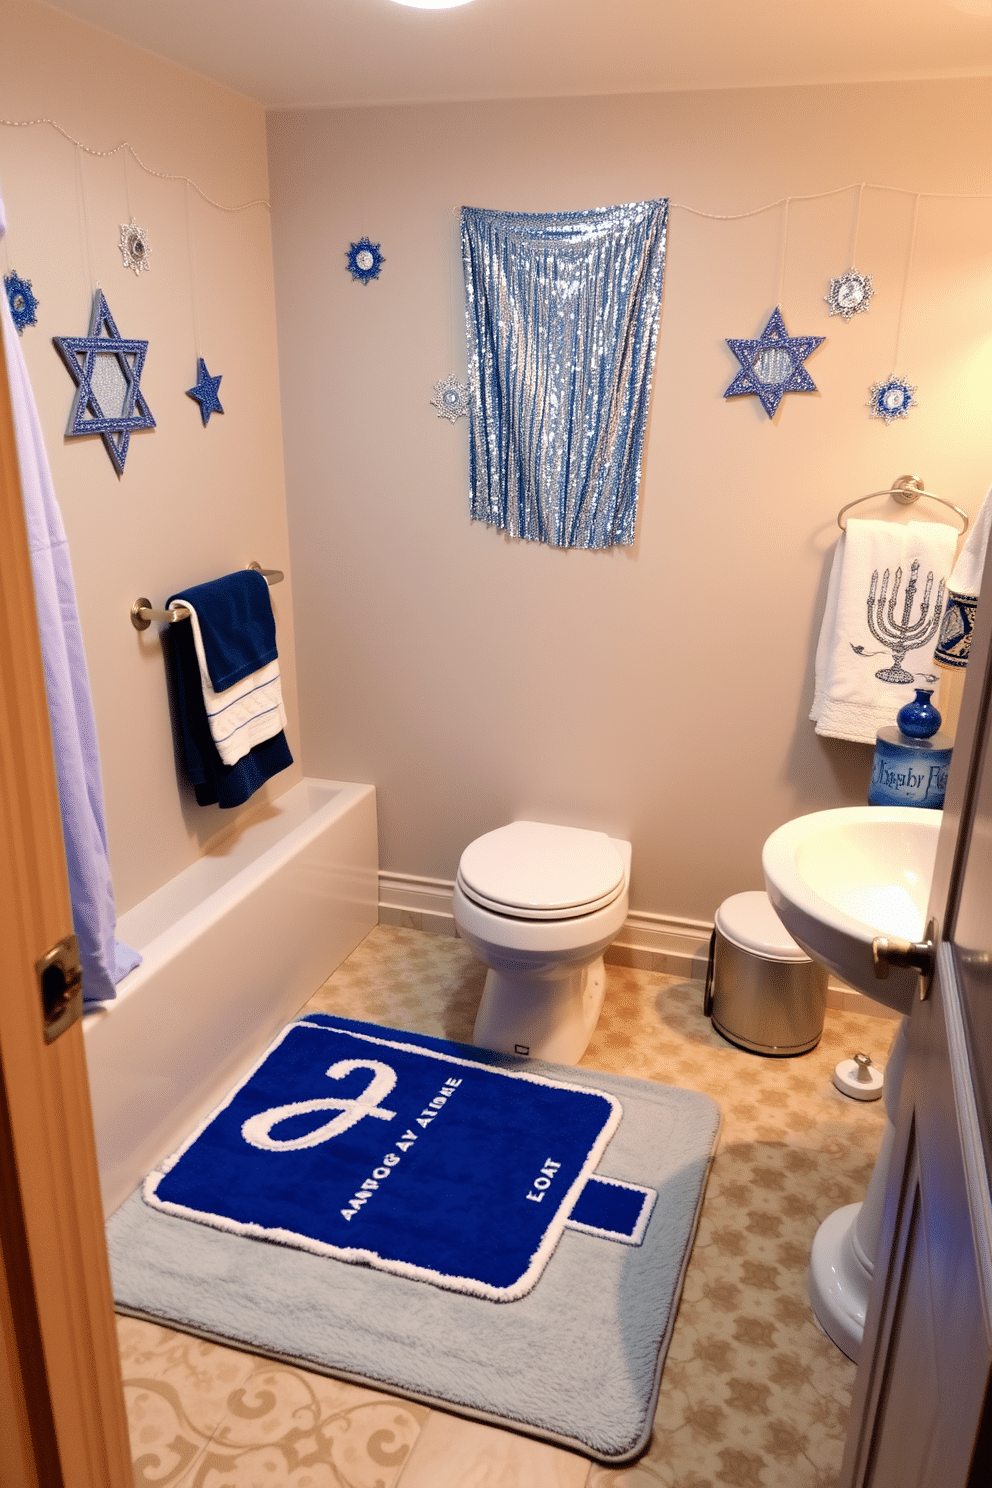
x=919 y=719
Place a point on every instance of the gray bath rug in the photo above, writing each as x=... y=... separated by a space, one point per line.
x=575 y=1361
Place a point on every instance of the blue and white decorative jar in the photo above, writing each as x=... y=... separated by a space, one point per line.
x=912 y=760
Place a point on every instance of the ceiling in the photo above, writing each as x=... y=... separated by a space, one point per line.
x=300 y=53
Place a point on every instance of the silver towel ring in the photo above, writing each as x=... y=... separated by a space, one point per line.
x=905 y=490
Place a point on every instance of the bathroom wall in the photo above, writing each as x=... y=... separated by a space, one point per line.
x=659 y=692
x=193 y=501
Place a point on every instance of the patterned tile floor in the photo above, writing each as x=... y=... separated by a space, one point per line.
x=753 y=1393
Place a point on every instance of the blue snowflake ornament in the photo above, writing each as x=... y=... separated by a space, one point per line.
x=107 y=370
x=364 y=260
x=205 y=392
x=22 y=301
x=891 y=399
x=772 y=365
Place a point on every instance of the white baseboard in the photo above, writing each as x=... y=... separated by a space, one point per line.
x=647 y=942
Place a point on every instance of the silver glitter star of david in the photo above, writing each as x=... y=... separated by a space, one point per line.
x=134 y=246
x=107 y=371
x=772 y=365
x=850 y=294
x=891 y=399
x=450 y=398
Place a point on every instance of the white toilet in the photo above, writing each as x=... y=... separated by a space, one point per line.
x=539 y=905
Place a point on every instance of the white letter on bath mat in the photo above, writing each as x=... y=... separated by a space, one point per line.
x=257 y=1128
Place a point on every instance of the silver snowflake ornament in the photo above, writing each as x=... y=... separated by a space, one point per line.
x=850 y=294
x=891 y=399
x=134 y=246
x=450 y=398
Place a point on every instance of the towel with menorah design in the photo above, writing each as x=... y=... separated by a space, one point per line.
x=880 y=624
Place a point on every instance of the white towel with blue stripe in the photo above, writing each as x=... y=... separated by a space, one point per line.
x=245 y=714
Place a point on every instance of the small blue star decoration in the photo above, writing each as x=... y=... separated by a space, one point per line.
x=364 y=260
x=772 y=365
x=22 y=301
x=891 y=399
x=205 y=392
x=107 y=370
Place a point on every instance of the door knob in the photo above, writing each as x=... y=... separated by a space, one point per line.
x=889 y=950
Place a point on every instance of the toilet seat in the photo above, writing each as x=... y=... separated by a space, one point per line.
x=533 y=871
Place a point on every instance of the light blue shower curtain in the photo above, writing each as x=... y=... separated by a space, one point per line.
x=562 y=314
x=105 y=959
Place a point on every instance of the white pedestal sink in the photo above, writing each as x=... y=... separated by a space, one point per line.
x=838 y=879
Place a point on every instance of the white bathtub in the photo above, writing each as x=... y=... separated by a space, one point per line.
x=233 y=947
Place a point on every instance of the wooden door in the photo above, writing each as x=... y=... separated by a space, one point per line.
x=62 y=1421
x=922 y=1413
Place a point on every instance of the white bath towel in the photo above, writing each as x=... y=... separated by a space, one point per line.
x=245 y=714
x=963 y=589
x=851 y=700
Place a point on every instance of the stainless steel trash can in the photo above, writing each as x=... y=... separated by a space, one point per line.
x=762 y=990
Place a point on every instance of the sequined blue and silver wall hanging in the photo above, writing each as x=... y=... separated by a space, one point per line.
x=364 y=260
x=22 y=301
x=850 y=294
x=134 y=246
x=562 y=314
x=204 y=392
x=451 y=398
x=107 y=370
x=772 y=364
x=891 y=399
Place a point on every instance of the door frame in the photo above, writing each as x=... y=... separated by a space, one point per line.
x=62 y=1415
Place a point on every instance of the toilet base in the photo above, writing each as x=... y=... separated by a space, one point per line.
x=540 y=1017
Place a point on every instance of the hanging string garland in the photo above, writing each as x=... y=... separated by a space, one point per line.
x=851 y=293
x=772 y=364
x=893 y=397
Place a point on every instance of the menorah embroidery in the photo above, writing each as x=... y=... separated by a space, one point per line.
x=900 y=636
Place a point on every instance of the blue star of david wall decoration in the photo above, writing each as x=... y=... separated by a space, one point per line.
x=107 y=372
x=205 y=392
x=772 y=365
x=22 y=301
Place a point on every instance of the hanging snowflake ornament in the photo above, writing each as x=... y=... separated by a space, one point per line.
x=891 y=399
x=134 y=246
x=850 y=294
x=450 y=398
x=364 y=260
x=772 y=365
x=22 y=301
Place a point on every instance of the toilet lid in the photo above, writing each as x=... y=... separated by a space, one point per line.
x=536 y=871
x=749 y=922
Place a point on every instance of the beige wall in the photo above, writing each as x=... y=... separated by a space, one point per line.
x=193 y=501
x=660 y=692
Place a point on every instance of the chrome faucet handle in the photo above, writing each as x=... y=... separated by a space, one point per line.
x=890 y=950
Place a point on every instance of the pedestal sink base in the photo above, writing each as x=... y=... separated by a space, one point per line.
x=839 y=1278
x=842 y=1260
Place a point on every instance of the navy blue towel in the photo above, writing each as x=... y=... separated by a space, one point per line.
x=211 y=779
x=237 y=626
